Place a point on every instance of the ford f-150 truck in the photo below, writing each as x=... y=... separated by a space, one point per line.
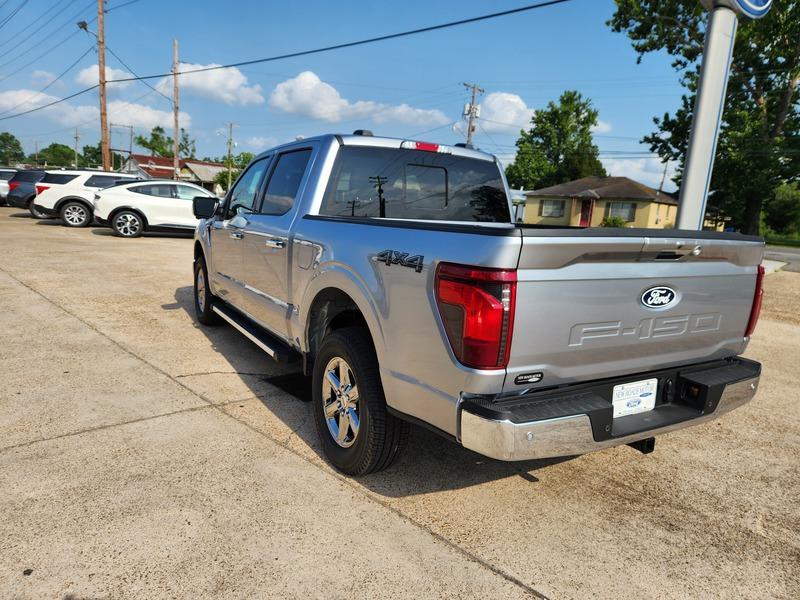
x=392 y=272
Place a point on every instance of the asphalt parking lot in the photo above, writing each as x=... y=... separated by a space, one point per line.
x=144 y=456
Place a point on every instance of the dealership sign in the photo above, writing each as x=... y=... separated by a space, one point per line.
x=755 y=9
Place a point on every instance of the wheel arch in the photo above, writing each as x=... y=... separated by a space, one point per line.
x=113 y=214
x=62 y=201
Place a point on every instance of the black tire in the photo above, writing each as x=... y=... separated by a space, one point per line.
x=76 y=214
x=381 y=436
x=128 y=223
x=203 y=306
x=36 y=214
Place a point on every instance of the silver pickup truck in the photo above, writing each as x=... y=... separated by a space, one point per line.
x=391 y=271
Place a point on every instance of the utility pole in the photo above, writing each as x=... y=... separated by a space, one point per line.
x=130 y=141
x=175 y=108
x=230 y=150
x=36 y=151
x=472 y=110
x=101 y=69
x=663 y=179
x=77 y=137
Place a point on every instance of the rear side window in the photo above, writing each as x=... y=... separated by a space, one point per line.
x=188 y=193
x=285 y=182
x=28 y=176
x=413 y=184
x=158 y=190
x=57 y=178
x=6 y=175
x=101 y=181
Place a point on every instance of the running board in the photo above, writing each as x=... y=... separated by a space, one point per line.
x=278 y=350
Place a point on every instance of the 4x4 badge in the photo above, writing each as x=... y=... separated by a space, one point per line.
x=393 y=257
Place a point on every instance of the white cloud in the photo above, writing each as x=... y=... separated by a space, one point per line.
x=502 y=112
x=119 y=111
x=43 y=77
x=644 y=170
x=602 y=127
x=223 y=85
x=309 y=96
x=258 y=142
x=90 y=76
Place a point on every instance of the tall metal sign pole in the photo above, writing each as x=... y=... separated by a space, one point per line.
x=710 y=102
x=176 y=161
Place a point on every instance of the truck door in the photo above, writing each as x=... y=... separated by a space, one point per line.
x=267 y=242
x=227 y=234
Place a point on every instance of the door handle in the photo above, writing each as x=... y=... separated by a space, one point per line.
x=237 y=235
x=275 y=243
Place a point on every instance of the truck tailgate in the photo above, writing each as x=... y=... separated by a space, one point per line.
x=593 y=304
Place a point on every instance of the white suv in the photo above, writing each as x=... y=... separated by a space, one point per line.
x=69 y=194
x=151 y=205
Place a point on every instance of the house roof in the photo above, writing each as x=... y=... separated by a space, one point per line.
x=161 y=166
x=605 y=188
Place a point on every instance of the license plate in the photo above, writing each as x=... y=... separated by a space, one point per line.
x=635 y=397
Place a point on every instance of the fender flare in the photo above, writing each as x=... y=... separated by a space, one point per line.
x=62 y=201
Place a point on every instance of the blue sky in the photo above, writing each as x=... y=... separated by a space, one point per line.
x=406 y=87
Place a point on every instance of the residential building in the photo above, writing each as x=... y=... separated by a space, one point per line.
x=195 y=171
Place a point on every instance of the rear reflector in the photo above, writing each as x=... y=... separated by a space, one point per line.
x=41 y=188
x=477 y=310
x=758 y=297
x=425 y=147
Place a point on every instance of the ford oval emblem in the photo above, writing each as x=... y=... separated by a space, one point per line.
x=659 y=297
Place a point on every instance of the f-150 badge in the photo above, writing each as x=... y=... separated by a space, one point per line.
x=393 y=257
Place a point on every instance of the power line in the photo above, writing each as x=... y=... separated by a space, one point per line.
x=124 y=64
x=64 y=72
x=37 y=20
x=382 y=38
x=12 y=14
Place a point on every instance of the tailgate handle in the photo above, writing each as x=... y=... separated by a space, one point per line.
x=670 y=255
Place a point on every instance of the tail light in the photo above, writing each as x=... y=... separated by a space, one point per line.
x=41 y=188
x=758 y=297
x=12 y=185
x=477 y=309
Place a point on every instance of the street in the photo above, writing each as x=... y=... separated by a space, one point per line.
x=786 y=254
x=142 y=455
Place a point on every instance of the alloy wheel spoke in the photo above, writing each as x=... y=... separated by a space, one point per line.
x=344 y=425
x=353 y=420
x=331 y=409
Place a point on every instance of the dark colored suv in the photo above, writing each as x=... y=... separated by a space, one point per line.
x=22 y=190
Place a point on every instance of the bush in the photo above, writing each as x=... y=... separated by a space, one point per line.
x=782 y=212
x=613 y=222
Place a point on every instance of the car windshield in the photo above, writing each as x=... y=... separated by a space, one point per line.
x=414 y=184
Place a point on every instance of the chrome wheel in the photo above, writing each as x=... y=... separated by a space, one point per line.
x=200 y=285
x=127 y=224
x=340 y=402
x=75 y=215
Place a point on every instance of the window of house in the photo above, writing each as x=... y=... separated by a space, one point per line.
x=285 y=182
x=551 y=208
x=626 y=210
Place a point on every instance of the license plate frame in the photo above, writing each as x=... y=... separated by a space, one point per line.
x=634 y=397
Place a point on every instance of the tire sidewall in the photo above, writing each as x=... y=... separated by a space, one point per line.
x=206 y=316
x=349 y=459
x=89 y=215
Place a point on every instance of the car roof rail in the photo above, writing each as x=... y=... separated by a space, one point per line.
x=464 y=145
x=364 y=132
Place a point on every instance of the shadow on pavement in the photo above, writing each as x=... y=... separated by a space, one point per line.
x=108 y=232
x=430 y=463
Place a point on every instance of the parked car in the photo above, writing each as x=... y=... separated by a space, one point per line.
x=70 y=194
x=391 y=271
x=5 y=175
x=153 y=205
x=22 y=190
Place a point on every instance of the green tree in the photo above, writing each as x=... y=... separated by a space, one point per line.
x=160 y=144
x=782 y=212
x=10 y=149
x=238 y=163
x=759 y=144
x=558 y=147
x=56 y=155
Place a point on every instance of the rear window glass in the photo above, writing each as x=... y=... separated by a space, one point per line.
x=160 y=190
x=58 y=178
x=413 y=184
x=101 y=181
x=28 y=176
x=6 y=175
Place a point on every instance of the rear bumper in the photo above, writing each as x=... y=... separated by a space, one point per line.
x=578 y=419
x=17 y=201
x=50 y=212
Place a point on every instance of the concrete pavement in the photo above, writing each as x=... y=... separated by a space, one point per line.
x=143 y=455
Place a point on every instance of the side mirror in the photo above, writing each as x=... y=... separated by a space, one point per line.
x=204 y=207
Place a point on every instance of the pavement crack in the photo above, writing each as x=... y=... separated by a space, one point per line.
x=222 y=373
